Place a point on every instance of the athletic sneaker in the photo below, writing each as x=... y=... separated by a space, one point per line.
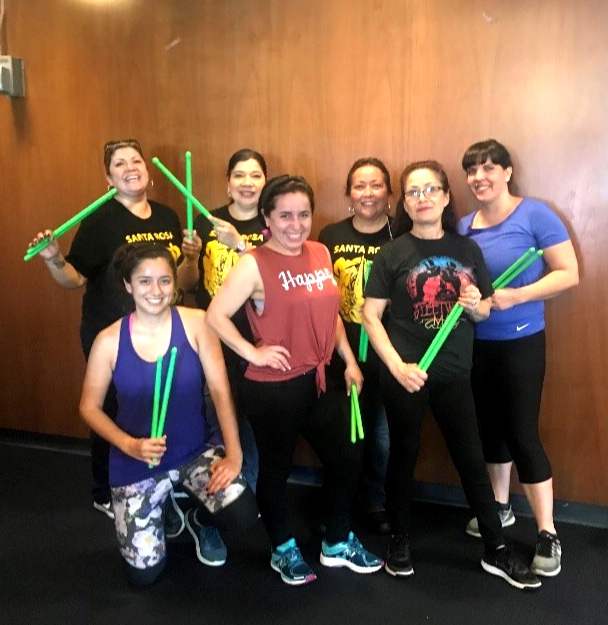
x=503 y=563
x=507 y=518
x=548 y=558
x=287 y=560
x=350 y=554
x=210 y=548
x=106 y=508
x=174 y=520
x=398 y=557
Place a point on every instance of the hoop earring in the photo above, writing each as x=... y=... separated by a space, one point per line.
x=351 y=209
x=151 y=183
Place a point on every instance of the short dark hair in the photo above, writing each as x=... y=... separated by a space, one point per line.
x=480 y=152
x=368 y=161
x=403 y=222
x=245 y=154
x=111 y=146
x=282 y=185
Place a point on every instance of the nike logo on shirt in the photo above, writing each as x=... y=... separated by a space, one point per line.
x=520 y=328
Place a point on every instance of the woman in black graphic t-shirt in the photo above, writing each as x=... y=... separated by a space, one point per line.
x=416 y=274
x=127 y=218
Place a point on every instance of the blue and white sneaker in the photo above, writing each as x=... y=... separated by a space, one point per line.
x=210 y=548
x=350 y=554
x=287 y=560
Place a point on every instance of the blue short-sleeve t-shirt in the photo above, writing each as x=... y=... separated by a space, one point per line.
x=531 y=224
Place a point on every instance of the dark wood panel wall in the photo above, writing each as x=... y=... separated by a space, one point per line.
x=312 y=85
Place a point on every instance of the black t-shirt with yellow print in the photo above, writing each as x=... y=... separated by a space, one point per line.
x=97 y=239
x=350 y=250
x=217 y=259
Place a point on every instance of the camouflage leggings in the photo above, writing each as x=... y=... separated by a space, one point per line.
x=138 y=508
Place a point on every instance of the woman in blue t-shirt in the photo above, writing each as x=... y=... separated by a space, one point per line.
x=509 y=349
x=145 y=465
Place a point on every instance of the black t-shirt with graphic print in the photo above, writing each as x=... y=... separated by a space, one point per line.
x=350 y=250
x=217 y=259
x=97 y=239
x=423 y=278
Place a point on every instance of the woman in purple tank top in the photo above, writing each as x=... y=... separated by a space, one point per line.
x=144 y=466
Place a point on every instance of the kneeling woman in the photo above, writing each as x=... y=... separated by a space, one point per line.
x=143 y=468
x=292 y=305
x=424 y=273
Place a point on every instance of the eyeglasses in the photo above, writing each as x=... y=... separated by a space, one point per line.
x=430 y=190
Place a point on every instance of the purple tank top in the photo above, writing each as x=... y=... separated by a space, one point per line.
x=185 y=420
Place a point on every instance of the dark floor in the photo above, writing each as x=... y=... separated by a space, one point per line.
x=60 y=564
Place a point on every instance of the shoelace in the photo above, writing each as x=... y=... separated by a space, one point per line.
x=292 y=555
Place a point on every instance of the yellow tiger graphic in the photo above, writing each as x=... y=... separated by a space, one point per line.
x=217 y=263
x=349 y=276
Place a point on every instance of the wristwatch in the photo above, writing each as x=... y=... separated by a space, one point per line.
x=241 y=246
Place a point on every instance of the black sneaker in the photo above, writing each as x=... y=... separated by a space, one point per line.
x=174 y=520
x=503 y=563
x=548 y=558
x=398 y=557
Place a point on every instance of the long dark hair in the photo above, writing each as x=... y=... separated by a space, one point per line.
x=403 y=222
x=368 y=161
x=128 y=257
x=245 y=154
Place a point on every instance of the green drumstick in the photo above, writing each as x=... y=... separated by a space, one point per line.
x=70 y=223
x=182 y=189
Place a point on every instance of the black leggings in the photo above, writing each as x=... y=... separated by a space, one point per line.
x=100 y=448
x=453 y=408
x=279 y=412
x=507 y=380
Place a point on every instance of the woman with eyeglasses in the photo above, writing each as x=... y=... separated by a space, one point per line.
x=126 y=218
x=424 y=273
x=353 y=244
x=509 y=349
x=292 y=305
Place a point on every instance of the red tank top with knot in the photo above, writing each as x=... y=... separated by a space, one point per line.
x=301 y=301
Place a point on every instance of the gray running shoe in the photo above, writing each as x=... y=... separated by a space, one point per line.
x=548 y=558
x=507 y=518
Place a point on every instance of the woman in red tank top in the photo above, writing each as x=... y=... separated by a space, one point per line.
x=292 y=306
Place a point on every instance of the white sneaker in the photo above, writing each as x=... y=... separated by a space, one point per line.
x=106 y=508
